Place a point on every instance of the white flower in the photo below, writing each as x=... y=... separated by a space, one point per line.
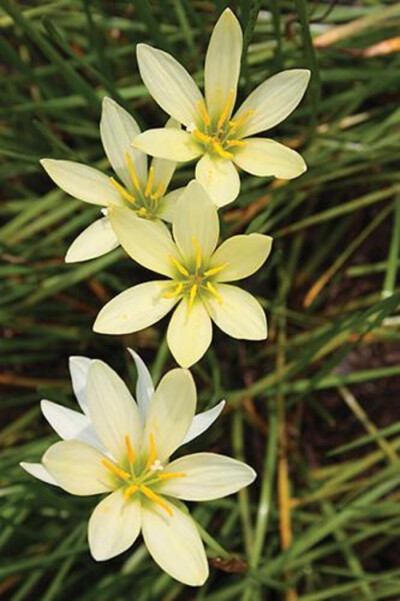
x=212 y=133
x=142 y=190
x=198 y=274
x=130 y=460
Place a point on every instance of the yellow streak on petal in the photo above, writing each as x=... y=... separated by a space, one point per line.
x=130 y=490
x=204 y=138
x=156 y=498
x=219 y=150
x=176 y=292
x=226 y=110
x=115 y=469
x=198 y=251
x=132 y=171
x=236 y=123
x=171 y=475
x=192 y=296
x=203 y=112
x=179 y=266
x=215 y=270
x=150 y=181
x=122 y=191
x=233 y=143
x=129 y=449
x=152 y=454
x=215 y=293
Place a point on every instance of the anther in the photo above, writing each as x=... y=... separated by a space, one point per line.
x=198 y=252
x=226 y=110
x=170 y=476
x=122 y=191
x=132 y=171
x=204 y=138
x=224 y=154
x=176 y=292
x=215 y=270
x=215 y=293
x=150 y=182
x=128 y=492
x=115 y=469
x=129 y=449
x=179 y=266
x=192 y=296
x=152 y=452
x=156 y=498
x=203 y=112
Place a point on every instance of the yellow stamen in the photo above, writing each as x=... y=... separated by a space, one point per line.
x=143 y=212
x=150 y=181
x=219 y=150
x=215 y=293
x=176 y=292
x=115 y=469
x=156 y=498
x=192 y=296
x=204 y=138
x=130 y=490
x=129 y=449
x=203 y=112
x=198 y=251
x=152 y=453
x=236 y=123
x=122 y=191
x=171 y=475
x=226 y=110
x=232 y=143
x=132 y=171
x=179 y=266
x=215 y=270
x=159 y=192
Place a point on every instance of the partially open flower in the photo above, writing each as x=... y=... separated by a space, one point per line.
x=140 y=189
x=214 y=132
x=129 y=458
x=198 y=273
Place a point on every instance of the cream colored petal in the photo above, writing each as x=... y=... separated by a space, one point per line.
x=134 y=309
x=78 y=369
x=117 y=129
x=175 y=544
x=172 y=144
x=195 y=223
x=222 y=66
x=261 y=156
x=189 y=333
x=202 y=421
x=37 y=470
x=114 y=525
x=241 y=255
x=169 y=83
x=163 y=168
x=82 y=182
x=171 y=412
x=166 y=210
x=239 y=315
x=112 y=409
x=96 y=240
x=70 y=425
x=272 y=101
x=78 y=468
x=208 y=476
x=147 y=242
x=220 y=179
x=144 y=385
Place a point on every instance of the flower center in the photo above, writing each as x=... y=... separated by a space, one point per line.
x=220 y=136
x=195 y=279
x=144 y=201
x=137 y=478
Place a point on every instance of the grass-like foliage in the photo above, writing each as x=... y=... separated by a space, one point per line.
x=313 y=409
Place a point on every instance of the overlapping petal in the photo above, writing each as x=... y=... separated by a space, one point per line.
x=117 y=130
x=169 y=83
x=69 y=424
x=82 y=182
x=114 y=525
x=78 y=468
x=202 y=421
x=173 y=144
x=171 y=412
x=175 y=544
x=96 y=240
x=147 y=242
x=220 y=178
x=189 y=333
x=195 y=223
x=239 y=314
x=78 y=369
x=144 y=385
x=241 y=255
x=166 y=210
x=272 y=101
x=37 y=470
x=265 y=157
x=208 y=476
x=134 y=309
x=113 y=412
x=222 y=65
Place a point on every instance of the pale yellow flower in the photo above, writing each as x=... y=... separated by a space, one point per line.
x=142 y=190
x=212 y=133
x=123 y=449
x=198 y=275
